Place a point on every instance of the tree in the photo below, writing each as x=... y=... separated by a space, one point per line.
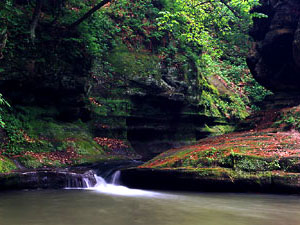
x=35 y=18
x=38 y=10
x=208 y=23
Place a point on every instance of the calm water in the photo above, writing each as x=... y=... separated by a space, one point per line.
x=91 y=207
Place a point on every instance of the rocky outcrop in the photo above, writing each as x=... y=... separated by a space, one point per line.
x=263 y=156
x=275 y=57
x=153 y=105
x=189 y=180
x=46 y=179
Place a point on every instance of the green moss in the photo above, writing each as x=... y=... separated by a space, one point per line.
x=254 y=163
x=133 y=63
x=87 y=147
x=38 y=133
x=6 y=165
x=195 y=158
x=218 y=129
x=211 y=172
x=112 y=107
x=30 y=162
x=98 y=159
x=34 y=163
x=289 y=119
x=290 y=164
x=225 y=173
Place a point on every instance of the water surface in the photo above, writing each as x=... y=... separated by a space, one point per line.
x=91 y=207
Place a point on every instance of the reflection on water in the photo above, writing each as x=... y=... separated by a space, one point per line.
x=89 y=207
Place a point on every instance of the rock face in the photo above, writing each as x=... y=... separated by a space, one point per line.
x=275 y=58
x=189 y=180
x=152 y=105
x=264 y=156
x=45 y=179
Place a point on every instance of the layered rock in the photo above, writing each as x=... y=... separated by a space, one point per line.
x=154 y=106
x=275 y=57
x=53 y=179
x=211 y=180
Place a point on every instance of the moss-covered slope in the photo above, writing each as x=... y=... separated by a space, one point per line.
x=269 y=149
x=33 y=138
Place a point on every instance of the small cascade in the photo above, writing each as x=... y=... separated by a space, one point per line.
x=77 y=181
x=113 y=189
x=115 y=179
x=87 y=183
x=90 y=181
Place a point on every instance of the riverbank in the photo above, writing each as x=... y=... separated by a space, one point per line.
x=264 y=158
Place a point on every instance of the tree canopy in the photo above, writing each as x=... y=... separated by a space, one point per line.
x=210 y=34
x=209 y=24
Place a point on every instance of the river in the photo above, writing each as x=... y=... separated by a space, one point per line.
x=108 y=204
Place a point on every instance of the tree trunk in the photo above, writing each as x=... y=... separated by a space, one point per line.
x=231 y=9
x=35 y=18
x=3 y=40
x=88 y=14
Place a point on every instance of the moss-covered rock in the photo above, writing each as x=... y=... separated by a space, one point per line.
x=36 y=139
x=6 y=165
x=46 y=179
x=264 y=157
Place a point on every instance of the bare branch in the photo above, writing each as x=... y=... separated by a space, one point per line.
x=88 y=14
x=3 y=40
x=231 y=9
x=35 y=18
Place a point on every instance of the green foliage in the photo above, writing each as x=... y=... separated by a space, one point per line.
x=133 y=63
x=208 y=24
x=112 y=107
x=6 y=165
x=218 y=129
x=16 y=142
x=228 y=105
x=254 y=164
x=188 y=35
x=3 y=104
x=140 y=38
x=237 y=75
x=219 y=30
x=136 y=17
x=289 y=120
x=34 y=138
x=98 y=34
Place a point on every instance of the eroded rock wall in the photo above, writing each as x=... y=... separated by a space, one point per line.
x=275 y=57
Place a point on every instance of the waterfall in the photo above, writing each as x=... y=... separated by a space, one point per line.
x=87 y=183
x=91 y=181
x=116 y=177
x=113 y=189
x=78 y=180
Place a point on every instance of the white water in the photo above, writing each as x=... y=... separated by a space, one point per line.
x=116 y=177
x=114 y=189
